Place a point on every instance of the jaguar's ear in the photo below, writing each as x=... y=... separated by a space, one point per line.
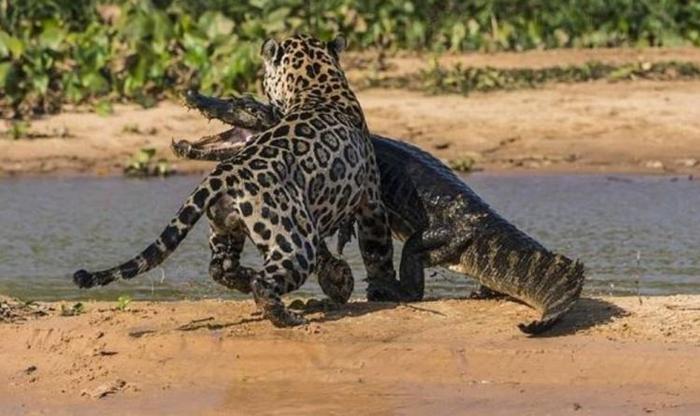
x=269 y=49
x=337 y=45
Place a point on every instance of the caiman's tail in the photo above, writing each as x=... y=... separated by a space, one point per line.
x=506 y=260
x=159 y=250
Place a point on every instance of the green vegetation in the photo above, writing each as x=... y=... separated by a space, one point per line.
x=463 y=80
x=123 y=302
x=462 y=164
x=98 y=51
x=144 y=164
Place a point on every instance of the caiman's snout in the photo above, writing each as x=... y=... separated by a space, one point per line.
x=181 y=148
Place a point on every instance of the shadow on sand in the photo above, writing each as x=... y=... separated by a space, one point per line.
x=586 y=313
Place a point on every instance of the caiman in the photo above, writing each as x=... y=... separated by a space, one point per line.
x=442 y=221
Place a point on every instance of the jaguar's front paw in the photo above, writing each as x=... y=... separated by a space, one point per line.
x=337 y=281
x=238 y=281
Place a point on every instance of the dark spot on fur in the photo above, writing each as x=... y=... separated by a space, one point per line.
x=269 y=152
x=258 y=164
x=303 y=130
x=296 y=239
x=215 y=184
x=246 y=209
x=264 y=180
x=269 y=200
x=246 y=174
x=251 y=188
x=170 y=237
x=200 y=197
x=129 y=268
x=302 y=261
x=337 y=170
x=188 y=215
x=281 y=131
x=283 y=243
x=287 y=264
x=287 y=224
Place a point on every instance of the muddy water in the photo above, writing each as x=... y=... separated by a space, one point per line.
x=634 y=233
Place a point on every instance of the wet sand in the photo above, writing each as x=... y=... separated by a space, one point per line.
x=613 y=356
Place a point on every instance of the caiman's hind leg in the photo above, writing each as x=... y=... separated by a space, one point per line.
x=420 y=248
x=411 y=270
x=225 y=267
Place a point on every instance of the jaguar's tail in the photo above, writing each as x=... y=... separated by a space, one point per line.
x=166 y=243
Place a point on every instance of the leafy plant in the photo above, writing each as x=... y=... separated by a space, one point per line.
x=463 y=80
x=143 y=164
x=123 y=302
x=18 y=130
x=96 y=51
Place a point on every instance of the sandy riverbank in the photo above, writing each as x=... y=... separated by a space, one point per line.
x=598 y=127
x=609 y=356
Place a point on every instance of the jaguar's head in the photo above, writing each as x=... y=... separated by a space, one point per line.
x=301 y=67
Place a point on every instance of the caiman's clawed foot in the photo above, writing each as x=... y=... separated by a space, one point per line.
x=384 y=292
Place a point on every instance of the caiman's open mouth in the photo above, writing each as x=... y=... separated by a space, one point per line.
x=230 y=142
x=217 y=146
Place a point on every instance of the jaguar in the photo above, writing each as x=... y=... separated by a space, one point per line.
x=292 y=185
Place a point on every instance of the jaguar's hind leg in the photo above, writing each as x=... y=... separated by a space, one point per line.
x=285 y=269
x=225 y=267
x=334 y=276
x=374 y=237
x=289 y=242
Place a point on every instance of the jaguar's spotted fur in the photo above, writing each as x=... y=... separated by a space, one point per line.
x=290 y=187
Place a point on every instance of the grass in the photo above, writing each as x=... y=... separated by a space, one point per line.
x=464 y=80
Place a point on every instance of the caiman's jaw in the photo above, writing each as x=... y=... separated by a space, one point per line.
x=242 y=113
x=209 y=107
x=228 y=142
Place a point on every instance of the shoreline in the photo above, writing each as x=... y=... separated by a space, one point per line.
x=631 y=127
x=217 y=357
